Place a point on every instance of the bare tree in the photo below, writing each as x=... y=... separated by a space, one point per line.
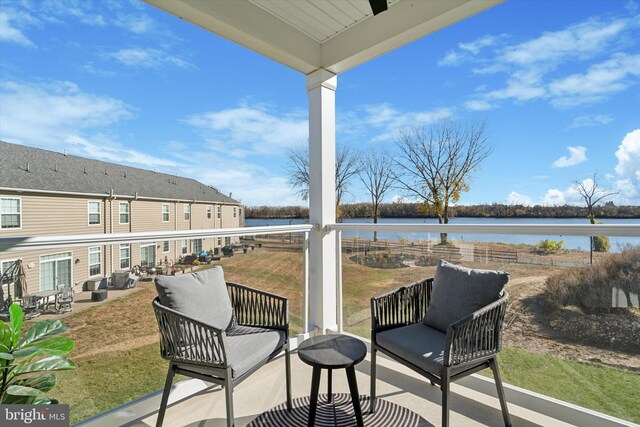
x=436 y=163
x=592 y=194
x=376 y=174
x=346 y=167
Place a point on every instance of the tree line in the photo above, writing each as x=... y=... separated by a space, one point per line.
x=418 y=210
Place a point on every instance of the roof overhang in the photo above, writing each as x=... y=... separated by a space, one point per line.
x=307 y=35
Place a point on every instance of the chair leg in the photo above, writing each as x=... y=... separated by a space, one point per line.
x=228 y=388
x=287 y=360
x=445 y=398
x=493 y=363
x=165 y=395
x=372 y=397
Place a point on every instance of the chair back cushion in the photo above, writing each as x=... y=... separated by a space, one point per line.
x=459 y=291
x=202 y=296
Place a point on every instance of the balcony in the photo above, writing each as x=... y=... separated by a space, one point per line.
x=474 y=400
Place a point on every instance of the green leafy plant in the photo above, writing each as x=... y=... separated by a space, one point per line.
x=25 y=362
x=548 y=246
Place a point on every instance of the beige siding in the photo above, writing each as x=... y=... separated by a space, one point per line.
x=65 y=215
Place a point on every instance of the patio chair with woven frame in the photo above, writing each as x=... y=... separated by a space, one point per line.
x=469 y=345
x=225 y=356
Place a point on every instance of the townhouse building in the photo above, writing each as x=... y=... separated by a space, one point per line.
x=48 y=193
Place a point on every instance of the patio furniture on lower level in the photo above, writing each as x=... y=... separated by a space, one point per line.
x=443 y=328
x=218 y=331
x=64 y=301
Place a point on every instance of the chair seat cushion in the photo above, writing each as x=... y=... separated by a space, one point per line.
x=248 y=346
x=459 y=291
x=203 y=296
x=418 y=344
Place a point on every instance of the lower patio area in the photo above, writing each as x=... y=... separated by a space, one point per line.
x=474 y=401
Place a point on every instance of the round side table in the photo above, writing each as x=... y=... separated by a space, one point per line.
x=333 y=352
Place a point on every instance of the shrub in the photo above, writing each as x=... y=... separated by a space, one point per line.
x=548 y=246
x=601 y=244
x=195 y=262
x=591 y=287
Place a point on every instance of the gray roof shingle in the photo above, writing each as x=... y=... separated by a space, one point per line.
x=51 y=171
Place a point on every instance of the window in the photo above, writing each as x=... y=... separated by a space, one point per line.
x=209 y=212
x=10 y=213
x=148 y=255
x=227 y=241
x=197 y=245
x=165 y=212
x=240 y=211
x=219 y=211
x=187 y=212
x=4 y=266
x=219 y=241
x=95 y=257
x=165 y=246
x=94 y=213
x=235 y=212
x=185 y=247
x=124 y=213
x=125 y=256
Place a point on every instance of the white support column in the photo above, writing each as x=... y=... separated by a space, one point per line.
x=321 y=87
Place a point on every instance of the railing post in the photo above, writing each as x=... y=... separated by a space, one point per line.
x=305 y=283
x=339 y=280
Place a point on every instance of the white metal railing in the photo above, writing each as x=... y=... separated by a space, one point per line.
x=9 y=244
x=587 y=230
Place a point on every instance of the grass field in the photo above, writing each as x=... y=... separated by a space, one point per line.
x=118 y=357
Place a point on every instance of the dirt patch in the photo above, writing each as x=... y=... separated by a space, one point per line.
x=610 y=339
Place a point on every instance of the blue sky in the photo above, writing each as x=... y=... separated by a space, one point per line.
x=556 y=81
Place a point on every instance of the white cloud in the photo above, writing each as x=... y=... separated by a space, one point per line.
x=246 y=130
x=147 y=58
x=59 y=114
x=478 y=105
x=553 y=197
x=139 y=24
x=576 y=156
x=387 y=121
x=535 y=68
x=515 y=198
x=600 y=80
x=467 y=50
x=10 y=20
x=628 y=155
x=591 y=120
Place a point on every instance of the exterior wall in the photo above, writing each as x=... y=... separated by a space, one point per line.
x=61 y=214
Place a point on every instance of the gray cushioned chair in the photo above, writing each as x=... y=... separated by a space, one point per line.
x=443 y=328
x=218 y=331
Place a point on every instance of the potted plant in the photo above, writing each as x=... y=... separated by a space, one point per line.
x=26 y=362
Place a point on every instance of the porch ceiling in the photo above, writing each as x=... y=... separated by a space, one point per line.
x=332 y=34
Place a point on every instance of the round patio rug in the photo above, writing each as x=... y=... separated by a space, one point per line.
x=339 y=413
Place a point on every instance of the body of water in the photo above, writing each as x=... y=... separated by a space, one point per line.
x=570 y=242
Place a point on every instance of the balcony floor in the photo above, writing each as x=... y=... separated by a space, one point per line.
x=265 y=389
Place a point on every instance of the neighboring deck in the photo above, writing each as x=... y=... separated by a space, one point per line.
x=265 y=389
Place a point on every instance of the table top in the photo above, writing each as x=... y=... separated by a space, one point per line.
x=44 y=294
x=332 y=351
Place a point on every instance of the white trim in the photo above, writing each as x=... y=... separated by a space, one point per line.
x=9 y=244
x=219 y=212
x=209 y=212
x=186 y=211
x=168 y=212
x=128 y=245
x=89 y=261
x=19 y=213
x=120 y=213
x=89 y=213
x=620 y=230
x=155 y=252
x=115 y=196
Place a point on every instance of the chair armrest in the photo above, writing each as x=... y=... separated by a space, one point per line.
x=478 y=335
x=184 y=339
x=404 y=306
x=253 y=307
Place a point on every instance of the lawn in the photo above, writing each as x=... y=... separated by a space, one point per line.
x=118 y=357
